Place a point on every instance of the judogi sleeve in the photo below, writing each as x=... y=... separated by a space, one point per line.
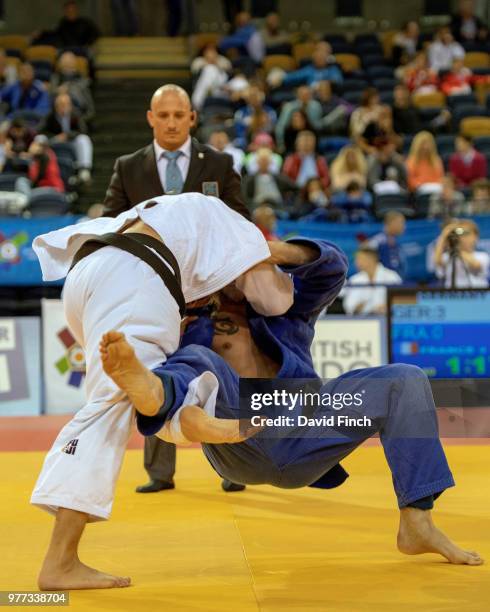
x=317 y=284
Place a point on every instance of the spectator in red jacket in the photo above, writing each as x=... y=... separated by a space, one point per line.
x=305 y=164
x=467 y=164
x=43 y=168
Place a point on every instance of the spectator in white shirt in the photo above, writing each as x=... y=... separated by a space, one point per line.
x=444 y=50
x=457 y=246
x=212 y=71
x=365 y=299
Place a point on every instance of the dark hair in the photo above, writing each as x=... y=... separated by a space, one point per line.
x=465 y=137
x=352 y=186
x=367 y=94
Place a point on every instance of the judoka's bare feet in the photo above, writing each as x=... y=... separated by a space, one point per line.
x=197 y=426
x=77 y=575
x=144 y=389
x=418 y=534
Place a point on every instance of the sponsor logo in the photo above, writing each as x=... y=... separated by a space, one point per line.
x=71 y=447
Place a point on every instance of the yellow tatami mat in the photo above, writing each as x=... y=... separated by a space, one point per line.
x=197 y=548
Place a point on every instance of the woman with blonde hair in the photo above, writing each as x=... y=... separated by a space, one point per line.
x=424 y=166
x=349 y=165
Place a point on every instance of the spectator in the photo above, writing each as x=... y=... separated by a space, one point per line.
x=418 y=76
x=458 y=80
x=265 y=219
x=349 y=165
x=386 y=171
x=64 y=124
x=43 y=168
x=305 y=164
x=405 y=116
x=322 y=68
x=17 y=137
x=253 y=118
x=480 y=197
x=379 y=133
x=313 y=196
x=448 y=203
x=246 y=39
x=220 y=142
x=26 y=94
x=386 y=242
x=299 y=123
x=275 y=189
x=262 y=141
x=367 y=112
x=467 y=164
x=272 y=33
x=307 y=105
x=457 y=262
x=465 y=25
x=444 y=50
x=8 y=72
x=424 y=166
x=68 y=79
x=73 y=30
x=354 y=204
x=211 y=71
x=366 y=300
x=336 y=111
x=405 y=43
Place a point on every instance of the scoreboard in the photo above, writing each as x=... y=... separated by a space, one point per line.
x=446 y=332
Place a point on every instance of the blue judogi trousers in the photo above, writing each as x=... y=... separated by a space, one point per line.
x=397 y=399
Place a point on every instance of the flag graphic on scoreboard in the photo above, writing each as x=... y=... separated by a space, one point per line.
x=73 y=360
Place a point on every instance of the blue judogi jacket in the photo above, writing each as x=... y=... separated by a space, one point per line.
x=286 y=339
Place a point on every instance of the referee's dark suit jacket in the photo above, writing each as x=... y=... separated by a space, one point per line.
x=135 y=179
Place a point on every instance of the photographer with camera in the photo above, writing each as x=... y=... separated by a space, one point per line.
x=456 y=259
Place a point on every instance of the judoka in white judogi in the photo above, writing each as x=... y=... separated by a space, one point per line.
x=114 y=290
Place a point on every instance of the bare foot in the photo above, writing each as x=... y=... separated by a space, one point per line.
x=78 y=576
x=418 y=534
x=144 y=389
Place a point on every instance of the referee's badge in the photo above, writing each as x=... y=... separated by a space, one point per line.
x=210 y=188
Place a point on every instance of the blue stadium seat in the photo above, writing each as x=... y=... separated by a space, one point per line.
x=468 y=110
x=381 y=72
x=67 y=172
x=366 y=38
x=328 y=144
x=8 y=180
x=445 y=143
x=354 y=85
x=386 y=97
x=368 y=48
x=393 y=201
x=335 y=38
x=422 y=204
x=466 y=99
x=482 y=71
x=407 y=142
x=342 y=47
x=385 y=84
x=13 y=53
x=370 y=60
x=482 y=143
x=64 y=150
x=488 y=101
x=329 y=157
x=445 y=159
x=47 y=203
x=354 y=97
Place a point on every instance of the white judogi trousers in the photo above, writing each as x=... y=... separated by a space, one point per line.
x=108 y=290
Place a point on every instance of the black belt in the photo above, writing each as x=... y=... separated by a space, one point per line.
x=140 y=246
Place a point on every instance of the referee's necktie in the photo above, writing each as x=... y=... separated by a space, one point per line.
x=173 y=177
